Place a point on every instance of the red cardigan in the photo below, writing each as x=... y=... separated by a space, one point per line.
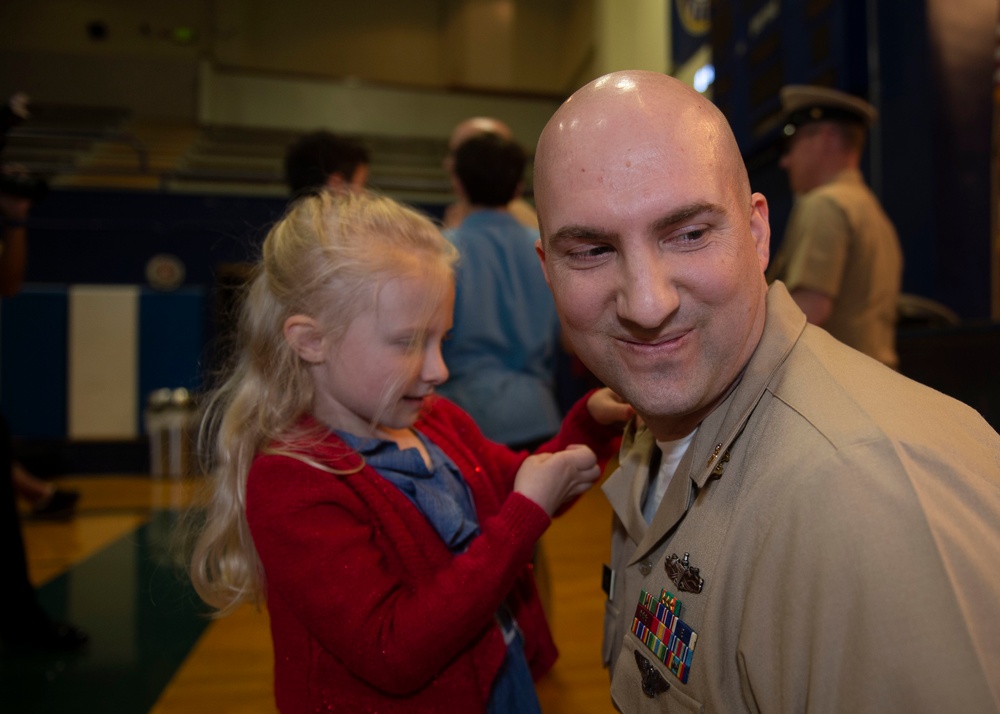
x=370 y=611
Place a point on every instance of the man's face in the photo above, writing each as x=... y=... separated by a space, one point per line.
x=655 y=256
x=337 y=182
x=360 y=178
x=800 y=158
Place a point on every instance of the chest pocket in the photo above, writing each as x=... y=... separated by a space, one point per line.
x=643 y=684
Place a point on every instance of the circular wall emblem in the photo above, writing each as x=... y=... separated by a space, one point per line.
x=696 y=16
x=165 y=272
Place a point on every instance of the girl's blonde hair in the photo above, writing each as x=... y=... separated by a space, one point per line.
x=325 y=258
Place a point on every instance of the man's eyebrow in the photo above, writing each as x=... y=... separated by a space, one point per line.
x=575 y=231
x=686 y=213
x=580 y=232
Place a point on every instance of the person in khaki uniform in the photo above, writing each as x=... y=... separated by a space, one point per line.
x=797 y=528
x=840 y=258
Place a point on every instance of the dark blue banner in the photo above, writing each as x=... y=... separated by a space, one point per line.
x=690 y=24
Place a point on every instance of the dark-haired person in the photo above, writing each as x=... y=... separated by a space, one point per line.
x=323 y=160
x=24 y=625
x=503 y=346
x=456 y=212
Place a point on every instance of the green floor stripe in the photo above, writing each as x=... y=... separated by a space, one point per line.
x=143 y=619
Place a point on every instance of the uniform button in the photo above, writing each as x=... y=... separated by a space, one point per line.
x=645 y=567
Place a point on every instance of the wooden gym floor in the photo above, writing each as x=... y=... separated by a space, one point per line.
x=111 y=570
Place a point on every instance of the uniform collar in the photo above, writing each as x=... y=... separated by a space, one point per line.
x=847 y=176
x=783 y=325
x=706 y=458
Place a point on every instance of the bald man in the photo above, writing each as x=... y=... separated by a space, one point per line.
x=797 y=527
x=519 y=209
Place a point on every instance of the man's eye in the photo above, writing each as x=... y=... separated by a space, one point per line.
x=690 y=235
x=591 y=252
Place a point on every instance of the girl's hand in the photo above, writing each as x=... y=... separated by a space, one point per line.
x=608 y=408
x=551 y=480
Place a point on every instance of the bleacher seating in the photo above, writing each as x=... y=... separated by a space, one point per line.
x=94 y=147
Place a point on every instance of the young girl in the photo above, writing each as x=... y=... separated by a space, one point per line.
x=391 y=541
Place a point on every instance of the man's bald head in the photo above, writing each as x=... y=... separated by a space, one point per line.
x=474 y=126
x=629 y=126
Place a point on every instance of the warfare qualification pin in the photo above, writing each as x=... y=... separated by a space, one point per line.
x=653 y=682
x=683 y=574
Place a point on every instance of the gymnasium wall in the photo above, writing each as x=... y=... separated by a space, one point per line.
x=89 y=337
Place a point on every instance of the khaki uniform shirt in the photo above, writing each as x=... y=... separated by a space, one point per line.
x=840 y=242
x=845 y=521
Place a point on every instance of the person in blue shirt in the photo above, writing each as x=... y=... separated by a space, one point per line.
x=503 y=347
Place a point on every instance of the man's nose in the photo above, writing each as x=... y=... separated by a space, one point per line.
x=648 y=296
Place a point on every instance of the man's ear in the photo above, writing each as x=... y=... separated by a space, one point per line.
x=305 y=338
x=540 y=249
x=457 y=187
x=760 y=229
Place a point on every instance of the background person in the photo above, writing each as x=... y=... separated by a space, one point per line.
x=502 y=351
x=456 y=212
x=24 y=624
x=322 y=159
x=840 y=258
x=813 y=509
x=46 y=499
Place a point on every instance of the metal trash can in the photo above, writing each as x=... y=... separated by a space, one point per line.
x=170 y=420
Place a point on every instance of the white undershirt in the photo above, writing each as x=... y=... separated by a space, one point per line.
x=672 y=453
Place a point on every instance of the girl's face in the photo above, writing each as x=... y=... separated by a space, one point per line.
x=389 y=360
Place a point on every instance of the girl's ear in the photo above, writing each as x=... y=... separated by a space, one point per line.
x=305 y=338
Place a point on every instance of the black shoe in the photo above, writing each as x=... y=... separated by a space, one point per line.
x=47 y=637
x=59 y=506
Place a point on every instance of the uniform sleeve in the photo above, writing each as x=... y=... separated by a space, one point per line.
x=818 y=239
x=348 y=574
x=853 y=604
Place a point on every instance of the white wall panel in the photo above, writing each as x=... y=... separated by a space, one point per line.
x=103 y=364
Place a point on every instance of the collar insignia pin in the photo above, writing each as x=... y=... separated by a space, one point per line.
x=717 y=471
x=720 y=467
